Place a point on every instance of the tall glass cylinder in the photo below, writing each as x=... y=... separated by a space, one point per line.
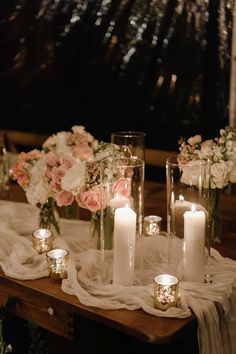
x=187 y=217
x=131 y=143
x=122 y=183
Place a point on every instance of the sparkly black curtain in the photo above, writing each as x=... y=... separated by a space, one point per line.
x=160 y=66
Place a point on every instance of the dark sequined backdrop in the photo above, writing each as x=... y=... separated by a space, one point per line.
x=160 y=66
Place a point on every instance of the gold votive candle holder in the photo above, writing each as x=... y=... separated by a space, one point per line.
x=166 y=291
x=57 y=260
x=42 y=240
x=152 y=225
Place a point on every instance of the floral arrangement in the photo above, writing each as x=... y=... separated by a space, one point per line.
x=220 y=151
x=66 y=170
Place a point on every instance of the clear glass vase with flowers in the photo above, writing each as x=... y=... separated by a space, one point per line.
x=221 y=154
x=95 y=195
x=54 y=175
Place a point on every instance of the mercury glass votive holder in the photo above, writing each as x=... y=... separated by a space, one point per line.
x=166 y=289
x=42 y=240
x=151 y=225
x=57 y=260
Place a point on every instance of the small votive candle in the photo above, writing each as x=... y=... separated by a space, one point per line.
x=57 y=260
x=166 y=289
x=42 y=240
x=152 y=225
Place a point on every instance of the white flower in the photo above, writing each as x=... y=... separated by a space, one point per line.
x=190 y=174
x=221 y=152
x=197 y=139
x=74 y=179
x=37 y=191
x=219 y=173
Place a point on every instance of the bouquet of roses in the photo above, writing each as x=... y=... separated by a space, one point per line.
x=220 y=151
x=64 y=171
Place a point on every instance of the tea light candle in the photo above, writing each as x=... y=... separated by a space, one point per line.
x=166 y=288
x=42 y=240
x=194 y=245
x=124 y=245
x=57 y=260
x=152 y=225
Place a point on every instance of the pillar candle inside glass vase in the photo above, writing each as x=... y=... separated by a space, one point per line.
x=188 y=183
x=122 y=182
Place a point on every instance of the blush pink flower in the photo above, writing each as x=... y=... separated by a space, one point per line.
x=64 y=198
x=122 y=187
x=20 y=173
x=56 y=174
x=51 y=159
x=31 y=155
x=93 y=199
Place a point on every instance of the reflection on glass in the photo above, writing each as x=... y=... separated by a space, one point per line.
x=132 y=143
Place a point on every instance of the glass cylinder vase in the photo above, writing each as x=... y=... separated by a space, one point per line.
x=131 y=143
x=215 y=218
x=49 y=217
x=122 y=183
x=187 y=217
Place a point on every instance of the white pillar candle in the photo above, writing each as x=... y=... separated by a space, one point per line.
x=194 y=245
x=124 y=246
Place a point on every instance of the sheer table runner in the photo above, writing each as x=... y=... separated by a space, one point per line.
x=90 y=274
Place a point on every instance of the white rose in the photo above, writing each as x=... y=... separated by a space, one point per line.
x=38 y=194
x=38 y=190
x=219 y=174
x=206 y=151
x=190 y=173
x=78 y=129
x=61 y=143
x=74 y=179
x=196 y=139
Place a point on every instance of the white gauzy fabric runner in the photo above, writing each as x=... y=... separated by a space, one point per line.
x=90 y=274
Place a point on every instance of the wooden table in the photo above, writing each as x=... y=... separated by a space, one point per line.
x=117 y=331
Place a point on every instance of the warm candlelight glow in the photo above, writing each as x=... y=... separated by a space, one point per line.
x=42 y=240
x=194 y=245
x=165 y=291
x=152 y=225
x=57 y=263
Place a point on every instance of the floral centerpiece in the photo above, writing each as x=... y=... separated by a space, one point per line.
x=221 y=154
x=65 y=171
x=54 y=175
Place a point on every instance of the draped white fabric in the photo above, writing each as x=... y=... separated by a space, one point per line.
x=90 y=275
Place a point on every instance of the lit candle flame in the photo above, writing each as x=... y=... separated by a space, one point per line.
x=193 y=208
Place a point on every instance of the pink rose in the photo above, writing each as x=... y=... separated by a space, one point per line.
x=66 y=162
x=20 y=173
x=64 y=198
x=93 y=199
x=122 y=186
x=56 y=174
x=31 y=155
x=52 y=159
